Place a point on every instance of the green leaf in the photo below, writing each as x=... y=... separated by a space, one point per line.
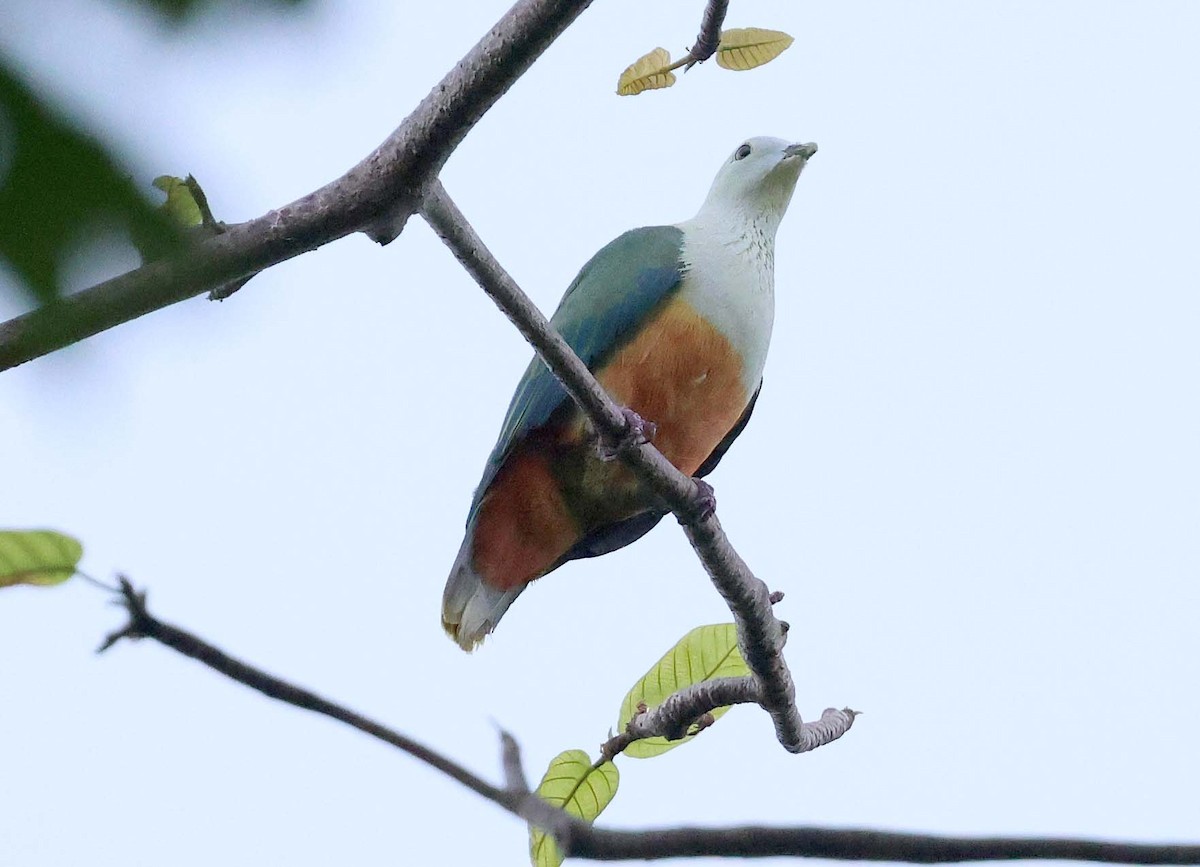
x=179 y=10
x=187 y=210
x=57 y=185
x=651 y=71
x=747 y=47
x=705 y=653
x=41 y=557
x=182 y=206
x=572 y=784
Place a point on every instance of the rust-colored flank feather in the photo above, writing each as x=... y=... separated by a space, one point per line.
x=524 y=526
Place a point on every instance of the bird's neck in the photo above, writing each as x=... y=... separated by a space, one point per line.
x=743 y=232
x=729 y=267
x=735 y=223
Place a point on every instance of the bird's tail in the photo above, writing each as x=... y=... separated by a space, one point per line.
x=470 y=608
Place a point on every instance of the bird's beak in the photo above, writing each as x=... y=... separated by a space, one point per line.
x=805 y=151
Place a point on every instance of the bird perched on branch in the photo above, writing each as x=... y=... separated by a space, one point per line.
x=674 y=322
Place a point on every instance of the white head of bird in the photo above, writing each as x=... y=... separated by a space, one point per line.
x=756 y=182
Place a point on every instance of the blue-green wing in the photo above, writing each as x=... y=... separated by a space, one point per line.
x=612 y=295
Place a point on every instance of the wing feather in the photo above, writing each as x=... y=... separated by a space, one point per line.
x=612 y=295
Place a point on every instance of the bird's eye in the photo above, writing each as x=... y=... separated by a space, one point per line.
x=742 y=152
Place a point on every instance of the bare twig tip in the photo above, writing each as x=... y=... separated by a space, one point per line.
x=514 y=773
x=134 y=602
x=113 y=637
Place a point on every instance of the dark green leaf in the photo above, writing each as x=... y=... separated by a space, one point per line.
x=179 y=10
x=56 y=185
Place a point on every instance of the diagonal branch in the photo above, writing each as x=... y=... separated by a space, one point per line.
x=515 y=798
x=760 y=634
x=579 y=839
x=142 y=624
x=376 y=196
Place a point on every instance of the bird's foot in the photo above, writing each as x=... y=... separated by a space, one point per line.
x=637 y=432
x=705 y=504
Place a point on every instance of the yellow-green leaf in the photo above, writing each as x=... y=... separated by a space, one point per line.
x=649 y=72
x=705 y=653
x=37 y=557
x=747 y=47
x=181 y=206
x=572 y=784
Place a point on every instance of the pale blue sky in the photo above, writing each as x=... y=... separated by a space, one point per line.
x=973 y=469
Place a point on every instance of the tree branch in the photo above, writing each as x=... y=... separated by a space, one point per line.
x=377 y=195
x=579 y=839
x=760 y=634
x=144 y=625
x=860 y=845
x=693 y=705
x=710 y=33
x=516 y=798
x=675 y=715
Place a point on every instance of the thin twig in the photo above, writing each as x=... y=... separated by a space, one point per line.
x=681 y=710
x=376 y=195
x=673 y=718
x=710 y=33
x=96 y=582
x=516 y=798
x=760 y=634
x=510 y=760
x=144 y=625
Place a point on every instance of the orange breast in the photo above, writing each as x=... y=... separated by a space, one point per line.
x=683 y=375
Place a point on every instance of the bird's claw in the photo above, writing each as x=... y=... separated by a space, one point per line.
x=705 y=504
x=637 y=432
